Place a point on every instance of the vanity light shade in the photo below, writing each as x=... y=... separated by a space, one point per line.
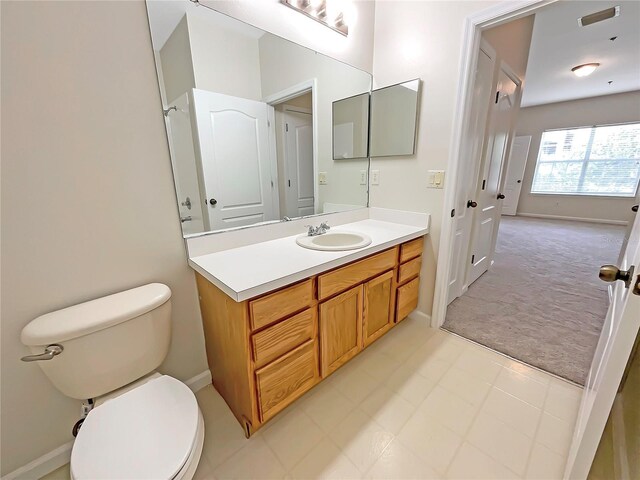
x=585 y=69
x=331 y=13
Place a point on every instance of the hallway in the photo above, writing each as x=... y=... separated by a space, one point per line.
x=542 y=301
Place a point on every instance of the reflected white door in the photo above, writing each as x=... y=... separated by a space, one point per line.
x=469 y=176
x=612 y=353
x=486 y=216
x=185 y=172
x=515 y=173
x=236 y=158
x=298 y=151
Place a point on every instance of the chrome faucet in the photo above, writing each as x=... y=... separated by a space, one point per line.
x=322 y=228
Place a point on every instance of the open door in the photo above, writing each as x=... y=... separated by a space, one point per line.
x=488 y=199
x=468 y=176
x=298 y=164
x=237 y=159
x=515 y=173
x=612 y=354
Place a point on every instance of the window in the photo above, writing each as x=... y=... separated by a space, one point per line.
x=602 y=160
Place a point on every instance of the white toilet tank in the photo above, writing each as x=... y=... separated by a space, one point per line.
x=108 y=342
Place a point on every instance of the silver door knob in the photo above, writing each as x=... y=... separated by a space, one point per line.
x=49 y=352
x=611 y=273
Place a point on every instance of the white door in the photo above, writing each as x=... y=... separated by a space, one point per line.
x=298 y=152
x=236 y=158
x=612 y=353
x=515 y=173
x=480 y=102
x=185 y=171
x=486 y=215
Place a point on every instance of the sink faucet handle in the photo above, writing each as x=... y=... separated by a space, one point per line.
x=312 y=230
x=324 y=226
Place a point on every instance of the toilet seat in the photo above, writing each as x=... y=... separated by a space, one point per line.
x=149 y=432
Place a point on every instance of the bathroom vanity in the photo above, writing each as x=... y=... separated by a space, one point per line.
x=267 y=349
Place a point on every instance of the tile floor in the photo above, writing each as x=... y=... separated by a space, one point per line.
x=419 y=403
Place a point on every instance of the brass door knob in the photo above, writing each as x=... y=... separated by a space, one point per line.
x=472 y=204
x=611 y=273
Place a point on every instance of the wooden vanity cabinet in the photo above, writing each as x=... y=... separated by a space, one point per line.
x=340 y=329
x=267 y=351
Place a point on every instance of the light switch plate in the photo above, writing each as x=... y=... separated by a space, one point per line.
x=435 y=179
x=363 y=177
x=375 y=177
x=322 y=178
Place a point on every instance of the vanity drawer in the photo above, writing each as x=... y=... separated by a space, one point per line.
x=346 y=277
x=283 y=337
x=281 y=304
x=409 y=270
x=407 y=299
x=411 y=249
x=285 y=379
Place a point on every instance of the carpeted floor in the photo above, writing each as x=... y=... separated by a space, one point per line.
x=541 y=302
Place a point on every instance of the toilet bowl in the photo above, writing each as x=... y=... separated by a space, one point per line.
x=143 y=425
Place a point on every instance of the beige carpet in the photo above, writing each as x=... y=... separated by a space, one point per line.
x=541 y=302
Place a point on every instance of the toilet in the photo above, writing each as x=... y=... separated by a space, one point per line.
x=143 y=424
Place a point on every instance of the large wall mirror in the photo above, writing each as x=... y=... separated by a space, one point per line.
x=249 y=121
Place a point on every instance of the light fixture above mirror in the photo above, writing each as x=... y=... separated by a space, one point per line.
x=334 y=14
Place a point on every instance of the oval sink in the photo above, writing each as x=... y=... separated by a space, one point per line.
x=334 y=241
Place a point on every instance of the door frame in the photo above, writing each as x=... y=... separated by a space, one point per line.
x=473 y=27
x=282 y=96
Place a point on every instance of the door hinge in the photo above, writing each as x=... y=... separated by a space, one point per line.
x=473 y=257
x=268 y=123
x=286 y=127
x=453 y=213
x=497 y=96
x=484 y=184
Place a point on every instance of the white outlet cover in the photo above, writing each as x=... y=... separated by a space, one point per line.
x=363 y=177
x=375 y=177
x=322 y=178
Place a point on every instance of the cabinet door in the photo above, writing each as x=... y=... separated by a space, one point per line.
x=378 y=310
x=340 y=329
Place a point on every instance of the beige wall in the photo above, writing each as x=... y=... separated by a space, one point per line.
x=283 y=65
x=511 y=42
x=224 y=61
x=88 y=206
x=421 y=40
x=622 y=107
x=356 y=49
x=177 y=65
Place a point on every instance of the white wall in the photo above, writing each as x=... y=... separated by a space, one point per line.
x=224 y=61
x=511 y=41
x=421 y=39
x=283 y=65
x=274 y=17
x=176 y=63
x=618 y=108
x=88 y=206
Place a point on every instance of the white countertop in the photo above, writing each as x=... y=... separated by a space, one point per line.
x=252 y=270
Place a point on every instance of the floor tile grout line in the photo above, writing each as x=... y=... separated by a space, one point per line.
x=535 y=436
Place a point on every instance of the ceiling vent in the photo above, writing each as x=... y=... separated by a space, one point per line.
x=599 y=16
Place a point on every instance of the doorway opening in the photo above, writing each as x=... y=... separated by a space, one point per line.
x=520 y=275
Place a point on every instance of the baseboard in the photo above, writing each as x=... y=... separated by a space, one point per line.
x=423 y=317
x=574 y=219
x=53 y=460
x=199 y=381
x=39 y=467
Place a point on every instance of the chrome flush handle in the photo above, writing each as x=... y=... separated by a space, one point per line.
x=49 y=352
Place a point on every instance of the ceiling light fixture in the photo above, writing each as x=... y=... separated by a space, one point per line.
x=585 y=69
x=335 y=14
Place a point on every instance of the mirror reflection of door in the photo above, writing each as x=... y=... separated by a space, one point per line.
x=298 y=161
x=236 y=159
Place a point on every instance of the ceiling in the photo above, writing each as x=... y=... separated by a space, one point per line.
x=164 y=16
x=558 y=43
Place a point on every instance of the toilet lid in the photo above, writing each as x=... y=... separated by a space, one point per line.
x=145 y=433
